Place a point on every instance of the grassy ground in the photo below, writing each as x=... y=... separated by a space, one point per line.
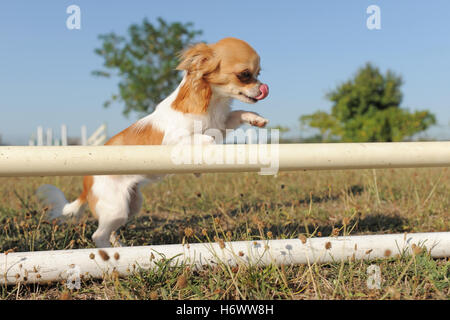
x=245 y=207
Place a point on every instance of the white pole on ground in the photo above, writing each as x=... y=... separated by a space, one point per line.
x=44 y=266
x=98 y=160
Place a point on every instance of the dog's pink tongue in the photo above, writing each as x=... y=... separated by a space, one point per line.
x=264 y=88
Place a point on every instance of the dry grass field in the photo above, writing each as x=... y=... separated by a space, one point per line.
x=246 y=207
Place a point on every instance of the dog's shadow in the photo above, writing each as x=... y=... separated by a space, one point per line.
x=170 y=228
x=157 y=230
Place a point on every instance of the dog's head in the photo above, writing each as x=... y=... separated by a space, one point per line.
x=229 y=68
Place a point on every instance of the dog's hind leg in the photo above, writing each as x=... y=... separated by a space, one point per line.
x=110 y=201
x=110 y=218
x=136 y=201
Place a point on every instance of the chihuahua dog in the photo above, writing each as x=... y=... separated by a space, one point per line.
x=214 y=75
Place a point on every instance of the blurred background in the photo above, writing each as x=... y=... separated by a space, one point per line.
x=336 y=70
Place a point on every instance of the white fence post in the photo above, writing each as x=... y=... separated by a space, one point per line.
x=63 y=135
x=40 y=136
x=49 y=137
x=99 y=136
x=83 y=135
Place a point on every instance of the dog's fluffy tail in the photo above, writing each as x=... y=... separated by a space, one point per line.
x=57 y=204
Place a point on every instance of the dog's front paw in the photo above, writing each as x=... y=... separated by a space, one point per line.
x=254 y=119
x=203 y=139
x=261 y=123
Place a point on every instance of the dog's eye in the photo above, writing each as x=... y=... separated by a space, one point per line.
x=244 y=76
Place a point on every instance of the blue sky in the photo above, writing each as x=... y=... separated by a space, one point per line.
x=306 y=48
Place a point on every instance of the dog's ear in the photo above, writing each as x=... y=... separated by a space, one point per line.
x=198 y=60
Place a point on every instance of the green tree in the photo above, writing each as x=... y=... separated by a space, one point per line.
x=145 y=62
x=366 y=108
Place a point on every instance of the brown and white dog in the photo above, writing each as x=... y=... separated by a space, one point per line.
x=214 y=75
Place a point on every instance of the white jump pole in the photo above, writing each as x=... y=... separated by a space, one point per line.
x=45 y=266
x=99 y=160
